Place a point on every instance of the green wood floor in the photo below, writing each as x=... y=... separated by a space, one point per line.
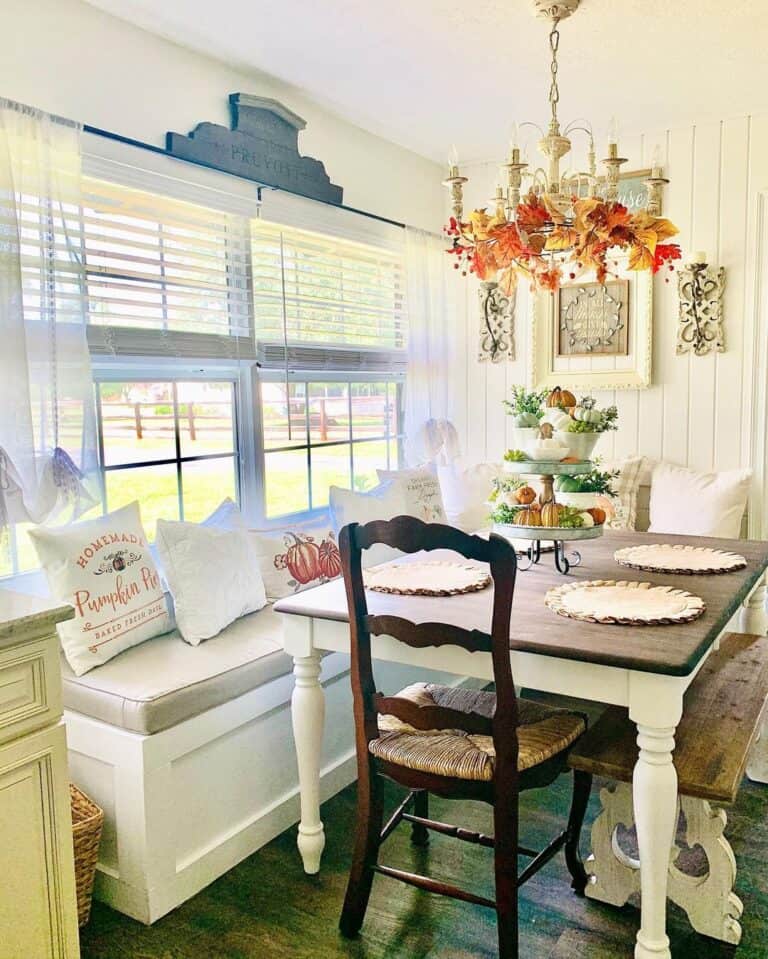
x=267 y=907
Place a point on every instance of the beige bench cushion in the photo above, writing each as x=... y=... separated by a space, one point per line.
x=164 y=681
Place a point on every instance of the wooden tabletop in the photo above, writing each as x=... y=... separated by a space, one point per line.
x=673 y=650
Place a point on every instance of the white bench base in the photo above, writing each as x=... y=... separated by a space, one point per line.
x=187 y=804
x=709 y=901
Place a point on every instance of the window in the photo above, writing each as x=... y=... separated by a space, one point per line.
x=164 y=276
x=233 y=356
x=171 y=444
x=314 y=289
x=340 y=432
x=326 y=304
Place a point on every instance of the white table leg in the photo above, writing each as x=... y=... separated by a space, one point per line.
x=753 y=619
x=656 y=707
x=308 y=715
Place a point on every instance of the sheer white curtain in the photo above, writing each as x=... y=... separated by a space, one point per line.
x=431 y=392
x=47 y=417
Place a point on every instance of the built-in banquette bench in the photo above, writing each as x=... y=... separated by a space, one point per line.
x=721 y=720
x=189 y=750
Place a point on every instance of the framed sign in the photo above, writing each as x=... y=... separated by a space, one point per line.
x=592 y=319
x=633 y=193
x=615 y=320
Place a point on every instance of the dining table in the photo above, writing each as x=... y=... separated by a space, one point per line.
x=646 y=669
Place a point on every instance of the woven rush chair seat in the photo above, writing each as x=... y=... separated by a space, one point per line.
x=543 y=732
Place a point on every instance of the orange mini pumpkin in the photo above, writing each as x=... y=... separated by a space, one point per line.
x=525 y=495
x=528 y=517
x=563 y=399
x=598 y=515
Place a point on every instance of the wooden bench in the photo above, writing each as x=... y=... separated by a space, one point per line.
x=721 y=720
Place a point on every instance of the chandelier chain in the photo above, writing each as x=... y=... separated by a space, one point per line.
x=554 y=90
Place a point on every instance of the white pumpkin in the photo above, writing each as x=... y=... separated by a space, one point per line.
x=557 y=418
x=587 y=415
x=588 y=521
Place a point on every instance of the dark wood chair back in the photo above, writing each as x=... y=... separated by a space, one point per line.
x=411 y=535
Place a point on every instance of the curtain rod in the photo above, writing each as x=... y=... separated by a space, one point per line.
x=119 y=138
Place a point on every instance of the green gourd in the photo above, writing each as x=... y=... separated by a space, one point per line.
x=568 y=484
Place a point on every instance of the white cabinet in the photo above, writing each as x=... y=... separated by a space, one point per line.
x=38 y=910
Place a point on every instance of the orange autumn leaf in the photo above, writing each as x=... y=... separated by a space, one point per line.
x=508 y=246
x=640 y=258
x=664 y=229
x=508 y=281
x=479 y=221
x=484 y=264
x=562 y=238
x=648 y=239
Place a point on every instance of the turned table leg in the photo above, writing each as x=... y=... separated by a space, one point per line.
x=753 y=619
x=656 y=708
x=308 y=715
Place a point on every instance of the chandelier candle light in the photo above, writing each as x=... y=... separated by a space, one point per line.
x=569 y=223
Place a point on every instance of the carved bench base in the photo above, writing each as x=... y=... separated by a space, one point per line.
x=709 y=900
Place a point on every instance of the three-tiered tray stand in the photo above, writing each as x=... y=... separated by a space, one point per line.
x=546 y=473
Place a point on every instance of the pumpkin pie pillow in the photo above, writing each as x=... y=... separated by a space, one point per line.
x=104 y=569
x=295 y=557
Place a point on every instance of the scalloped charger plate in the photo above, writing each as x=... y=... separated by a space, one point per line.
x=685 y=560
x=621 y=603
x=426 y=579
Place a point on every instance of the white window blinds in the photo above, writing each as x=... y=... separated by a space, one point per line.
x=326 y=301
x=164 y=275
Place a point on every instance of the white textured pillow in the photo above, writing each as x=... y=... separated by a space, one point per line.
x=465 y=494
x=420 y=490
x=213 y=576
x=384 y=502
x=296 y=556
x=104 y=569
x=698 y=504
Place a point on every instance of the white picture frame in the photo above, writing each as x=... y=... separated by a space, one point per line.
x=598 y=372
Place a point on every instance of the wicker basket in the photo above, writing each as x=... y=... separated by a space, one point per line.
x=87 y=820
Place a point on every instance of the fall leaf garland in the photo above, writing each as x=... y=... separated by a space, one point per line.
x=494 y=248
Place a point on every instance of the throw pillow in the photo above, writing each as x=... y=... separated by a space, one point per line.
x=622 y=508
x=421 y=493
x=213 y=576
x=296 y=556
x=384 y=502
x=465 y=494
x=104 y=569
x=698 y=504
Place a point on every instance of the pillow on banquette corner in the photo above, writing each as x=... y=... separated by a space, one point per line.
x=104 y=569
x=421 y=493
x=213 y=576
x=623 y=505
x=296 y=556
x=698 y=504
x=383 y=502
x=465 y=494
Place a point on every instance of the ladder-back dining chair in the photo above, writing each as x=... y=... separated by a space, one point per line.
x=453 y=742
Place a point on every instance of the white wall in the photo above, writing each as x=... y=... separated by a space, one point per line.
x=698 y=411
x=72 y=59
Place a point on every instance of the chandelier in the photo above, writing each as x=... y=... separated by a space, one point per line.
x=568 y=222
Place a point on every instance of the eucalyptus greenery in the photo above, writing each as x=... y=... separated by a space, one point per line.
x=526 y=401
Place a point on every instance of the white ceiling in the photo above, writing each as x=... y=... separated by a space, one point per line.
x=428 y=73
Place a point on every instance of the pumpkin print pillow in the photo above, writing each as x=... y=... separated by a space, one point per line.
x=292 y=558
x=104 y=569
